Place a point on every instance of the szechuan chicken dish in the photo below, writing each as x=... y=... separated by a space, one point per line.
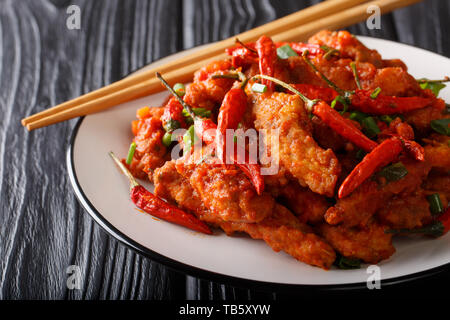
x=361 y=150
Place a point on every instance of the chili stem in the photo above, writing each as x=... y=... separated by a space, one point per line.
x=187 y=107
x=133 y=182
x=446 y=79
x=246 y=47
x=328 y=81
x=309 y=103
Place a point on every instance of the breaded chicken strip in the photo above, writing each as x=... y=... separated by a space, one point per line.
x=282 y=230
x=406 y=211
x=370 y=244
x=361 y=205
x=226 y=191
x=298 y=154
x=309 y=207
x=150 y=152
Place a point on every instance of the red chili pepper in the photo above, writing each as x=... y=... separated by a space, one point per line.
x=231 y=112
x=343 y=126
x=267 y=53
x=173 y=111
x=382 y=155
x=436 y=229
x=383 y=105
x=157 y=207
x=242 y=56
x=316 y=92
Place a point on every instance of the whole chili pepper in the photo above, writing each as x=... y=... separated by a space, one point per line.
x=362 y=101
x=331 y=117
x=157 y=207
x=230 y=115
x=382 y=155
x=203 y=128
x=365 y=101
x=267 y=53
x=436 y=229
x=316 y=92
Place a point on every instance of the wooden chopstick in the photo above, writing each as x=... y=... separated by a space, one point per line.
x=293 y=20
x=181 y=70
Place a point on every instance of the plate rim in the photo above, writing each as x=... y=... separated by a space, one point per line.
x=211 y=275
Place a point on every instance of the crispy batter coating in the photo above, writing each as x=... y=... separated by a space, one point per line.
x=309 y=207
x=406 y=211
x=150 y=152
x=226 y=191
x=370 y=244
x=438 y=152
x=281 y=230
x=298 y=153
x=348 y=45
x=358 y=208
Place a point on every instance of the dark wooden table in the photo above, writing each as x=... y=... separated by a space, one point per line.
x=43 y=228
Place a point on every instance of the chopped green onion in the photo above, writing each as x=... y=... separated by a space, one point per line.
x=131 y=153
x=201 y=112
x=355 y=74
x=441 y=126
x=285 y=52
x=179 y=89
x=375 y=93
x=394 y=172
x=358 y=116
x=189 y=138
x=434 y=85
x=171 y=125
x=347 y=263
x=342 y=100
x=435 y=203
x=370 y=127
x=385 y=118
x=167 y=139
x=259 y=88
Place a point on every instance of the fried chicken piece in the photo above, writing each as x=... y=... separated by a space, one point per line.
x=309 y=207
x=226 y=191
x=393 y=81
x=406 y=211
x=348 y=45
x=298 y=154
x=438 y=179
x=370 y=244
x=438 y=151
x=420 y=119
x=150 y=152
x=282 y=230
x=358 y=208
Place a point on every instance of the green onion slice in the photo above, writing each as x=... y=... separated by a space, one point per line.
x=435 y=203
x=171 y=125
x=358 y=116
x=347 y=263
x=285 y=52
x=375 y=93
x=385 y=118
x=167 y=139
x=441 y=126
x=259 y=88
x=131 y=153
x=201 y=112
x=342 y=100
x=434 y=86
x=370 y=127
x=179 y=89
x=189 y=139
x=394 y=172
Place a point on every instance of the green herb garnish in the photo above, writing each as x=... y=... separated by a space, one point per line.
x=285 y=52
x=394 y=172
x=370 y=127
x=435 y=203
x=375 y=93
x=441 y=126
x=131 y=151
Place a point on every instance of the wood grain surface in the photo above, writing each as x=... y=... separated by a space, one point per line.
x=43 y=228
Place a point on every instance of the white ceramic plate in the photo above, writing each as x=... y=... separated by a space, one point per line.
x=103 y=191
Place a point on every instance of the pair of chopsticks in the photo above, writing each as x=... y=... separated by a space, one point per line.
x=331 y=14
